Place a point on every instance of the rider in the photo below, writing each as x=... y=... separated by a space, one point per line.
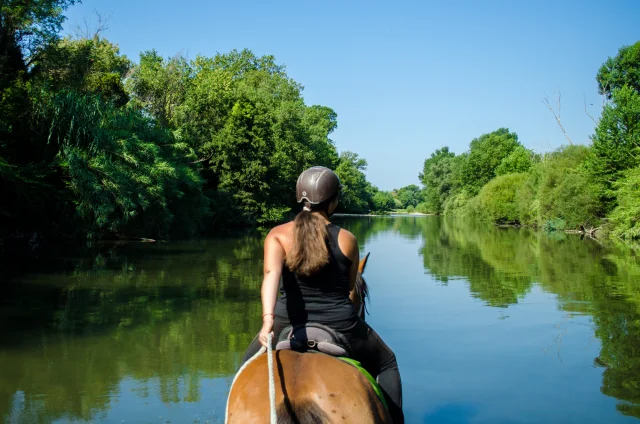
x=318 y=262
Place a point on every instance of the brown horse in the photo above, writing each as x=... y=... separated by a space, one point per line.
x=310 y=388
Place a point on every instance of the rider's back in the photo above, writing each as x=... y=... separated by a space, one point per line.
x=322 y=297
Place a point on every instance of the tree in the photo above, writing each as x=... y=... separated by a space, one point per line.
x=356 y=194
x=383 y=201
x=410 y=195
x=486 y=153
x=520 y=160
x=616 y=142
x=88 y=65
x=624 y=69
x=160 y=86
x=440 y=176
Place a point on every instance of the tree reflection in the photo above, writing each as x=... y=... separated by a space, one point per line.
x=501 y=265
x=134 y=313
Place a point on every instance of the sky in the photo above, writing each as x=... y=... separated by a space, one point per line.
x=405 y=78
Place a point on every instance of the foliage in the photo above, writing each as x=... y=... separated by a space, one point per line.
x=616 y=142
x=92 y=66
x=118 y=165
x=624 y=69
x=520 y=160
x=497 y=199
x=28 y=27
x=626 y=216
x=564 y=189
x=383 y=201
x=410 y=195
x=160 y=86
x=442 y=178
x=356 y=193
x=411 y=209
x=165 y=146
x=486 y=153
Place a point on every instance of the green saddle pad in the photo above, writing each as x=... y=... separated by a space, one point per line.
x=374 y=383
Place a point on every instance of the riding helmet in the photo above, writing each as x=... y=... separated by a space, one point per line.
x=317 y=184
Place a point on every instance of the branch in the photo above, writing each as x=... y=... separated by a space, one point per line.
x=548 y=105
x=586 y=111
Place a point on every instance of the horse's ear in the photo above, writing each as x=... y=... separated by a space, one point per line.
x=363 y=263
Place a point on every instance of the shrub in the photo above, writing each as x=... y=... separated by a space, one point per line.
x=497 y=199
x=625 y=218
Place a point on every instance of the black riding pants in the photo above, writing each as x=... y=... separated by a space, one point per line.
x=370 y=350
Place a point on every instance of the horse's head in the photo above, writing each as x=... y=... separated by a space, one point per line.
x=362 y=289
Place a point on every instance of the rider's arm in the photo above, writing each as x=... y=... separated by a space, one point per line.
x=349 y=246
x=273 y=260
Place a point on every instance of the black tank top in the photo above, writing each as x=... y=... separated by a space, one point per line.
x=322 y=297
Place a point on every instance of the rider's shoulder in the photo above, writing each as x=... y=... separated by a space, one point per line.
x=347 y=236
x=281 y=230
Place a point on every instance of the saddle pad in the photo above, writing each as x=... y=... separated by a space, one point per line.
x=374 y=383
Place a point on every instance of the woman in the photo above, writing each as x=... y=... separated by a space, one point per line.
x=318 y=263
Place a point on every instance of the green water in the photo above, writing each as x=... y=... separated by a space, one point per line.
x=489 y=325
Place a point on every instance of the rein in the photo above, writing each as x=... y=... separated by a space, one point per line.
x=272 y=384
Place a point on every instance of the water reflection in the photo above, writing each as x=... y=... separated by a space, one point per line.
x=166 y=317
x=500 y=266
x=124 y=330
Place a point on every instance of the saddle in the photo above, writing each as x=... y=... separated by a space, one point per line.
x=314 y=337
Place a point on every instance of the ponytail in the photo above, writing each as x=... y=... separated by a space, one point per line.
x=309 y=251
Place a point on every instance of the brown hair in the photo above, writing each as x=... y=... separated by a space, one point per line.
x=309 y=251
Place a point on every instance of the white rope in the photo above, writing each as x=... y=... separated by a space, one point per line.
x=272 y=386
x=272 y=383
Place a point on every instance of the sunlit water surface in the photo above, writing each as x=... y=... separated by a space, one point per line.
x=489 y=325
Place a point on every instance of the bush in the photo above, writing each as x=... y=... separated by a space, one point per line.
x=565 y=190
x=422 y=208
x=497 y=199
x=625 y=218
x=411 y=209
x=454 y=204
x=554 y=224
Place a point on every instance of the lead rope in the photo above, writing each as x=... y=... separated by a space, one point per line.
x=272 y=383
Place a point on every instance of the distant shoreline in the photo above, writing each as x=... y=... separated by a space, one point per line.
x=388 y=214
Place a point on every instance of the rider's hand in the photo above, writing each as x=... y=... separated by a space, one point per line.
x=267 y=327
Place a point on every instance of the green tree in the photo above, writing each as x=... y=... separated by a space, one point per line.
x=616 y=142
x=356 y=194
x=625 y=218
x=564 y=189
x=410 y=195
x=497 y=199
x=621 y=70
x=88 y=65
x=383 y=201
x=437 y=179
x=486 y=153
x=125 y=174
x=160 y=86
x=520 y=160
x=248 y=123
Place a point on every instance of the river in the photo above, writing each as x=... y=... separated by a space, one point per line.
x=489 y=325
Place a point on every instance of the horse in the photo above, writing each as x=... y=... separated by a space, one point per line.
x=310 y=388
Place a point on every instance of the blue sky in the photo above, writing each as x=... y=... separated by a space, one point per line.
x=405 y=78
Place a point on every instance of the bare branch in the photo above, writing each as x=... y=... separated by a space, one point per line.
x=557 y=116
x=586 y=111
x=87 y=33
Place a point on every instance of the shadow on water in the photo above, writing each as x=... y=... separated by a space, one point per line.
x=172 y=317
x=179 y=313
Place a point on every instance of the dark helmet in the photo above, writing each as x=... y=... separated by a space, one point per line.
x=317 y=184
